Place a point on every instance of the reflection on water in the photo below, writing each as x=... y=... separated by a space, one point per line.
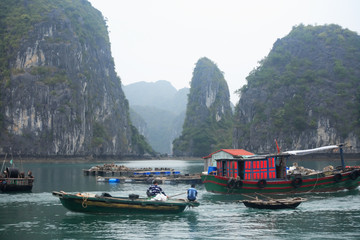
x=39 y=215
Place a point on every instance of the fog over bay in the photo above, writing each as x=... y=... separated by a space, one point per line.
x=162 y=40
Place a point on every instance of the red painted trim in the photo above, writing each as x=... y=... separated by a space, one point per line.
x=209 y=181
x=309 y=181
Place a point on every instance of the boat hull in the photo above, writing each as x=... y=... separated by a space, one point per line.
x=252 y=204
x=311 y=183
x=85 y=204
x=16 y=184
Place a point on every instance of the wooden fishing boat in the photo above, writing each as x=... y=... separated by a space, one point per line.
x=105 y=203
x=267 y=174
x=14 y=181
x=283 y=203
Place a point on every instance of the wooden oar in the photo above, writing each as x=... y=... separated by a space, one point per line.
x=250 y=196
x=266 y=196
x=273 y=199
x=177 y=194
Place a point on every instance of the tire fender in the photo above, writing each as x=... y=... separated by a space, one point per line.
x=238 y=184
x=297 y=182
x=354 y=175
x=337 y=177
x=261 y=183
x=231 y=183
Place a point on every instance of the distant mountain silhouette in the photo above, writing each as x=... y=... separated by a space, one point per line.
x=162 y=109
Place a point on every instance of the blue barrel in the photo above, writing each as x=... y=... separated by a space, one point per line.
x=113 y=180
x=211 y=169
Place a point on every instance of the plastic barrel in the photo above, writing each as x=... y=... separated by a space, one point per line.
x=211 y=169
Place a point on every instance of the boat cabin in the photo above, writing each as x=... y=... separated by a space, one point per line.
x=252 y=168
x=210 y=160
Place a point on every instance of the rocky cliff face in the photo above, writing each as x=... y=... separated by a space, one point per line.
x=305 y=93
x=208 y=119
x=60 y=92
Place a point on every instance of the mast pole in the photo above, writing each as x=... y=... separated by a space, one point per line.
x=342 y=157
x=3 y=164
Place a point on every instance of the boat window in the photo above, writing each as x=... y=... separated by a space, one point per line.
x=280 y=167
x=260 y=169
x=241 y=169
x=224 y=164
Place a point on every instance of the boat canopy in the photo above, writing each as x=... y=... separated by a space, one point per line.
x=310 y=151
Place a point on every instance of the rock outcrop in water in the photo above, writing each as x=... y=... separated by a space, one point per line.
x=208 y=120
x=60 y=93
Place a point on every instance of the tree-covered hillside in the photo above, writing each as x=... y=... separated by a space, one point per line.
x=305 y=93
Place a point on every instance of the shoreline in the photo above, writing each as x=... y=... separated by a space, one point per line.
x=91 y=160
x=87 y=159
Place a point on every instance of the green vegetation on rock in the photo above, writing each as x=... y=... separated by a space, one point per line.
x=208 y=122
x=310 y=78
x=19 y=17
x=58 y=79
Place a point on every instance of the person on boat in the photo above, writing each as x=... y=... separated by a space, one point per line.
x=155 y=189
x=192 y=193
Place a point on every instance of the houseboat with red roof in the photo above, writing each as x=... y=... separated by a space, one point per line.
x=242 y=172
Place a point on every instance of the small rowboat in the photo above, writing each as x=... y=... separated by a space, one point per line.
x=105 y=203
x=15 y=181
x=274 y=203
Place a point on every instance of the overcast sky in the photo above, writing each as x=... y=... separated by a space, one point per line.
x=155 y=40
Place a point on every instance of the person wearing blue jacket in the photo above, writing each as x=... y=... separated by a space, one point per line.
x=192 y=193
x=154 y=190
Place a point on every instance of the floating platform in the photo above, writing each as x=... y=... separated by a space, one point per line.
x=112 y=170
x=120 y=174
x=147 y=179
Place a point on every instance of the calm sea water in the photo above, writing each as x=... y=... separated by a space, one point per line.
x=39 y=215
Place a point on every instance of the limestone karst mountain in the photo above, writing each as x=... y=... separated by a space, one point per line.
x=208 y=120
x=60 y=95
x=305 y=93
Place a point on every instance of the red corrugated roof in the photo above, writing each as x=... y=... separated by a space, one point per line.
x=234 y=152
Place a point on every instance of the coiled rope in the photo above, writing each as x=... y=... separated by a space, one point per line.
x=85 y=198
